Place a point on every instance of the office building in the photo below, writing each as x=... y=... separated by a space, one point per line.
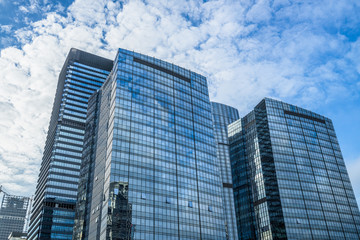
x=56 y=192
x=155 y=173
x=223 y=115
x=12 y=214
x=28 y=215
x=289 y=176
x=83 y=205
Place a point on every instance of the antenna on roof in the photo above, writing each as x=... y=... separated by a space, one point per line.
x=2 y=190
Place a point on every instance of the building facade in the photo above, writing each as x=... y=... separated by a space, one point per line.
x=83 y=205
x=13 y=214
x=28 y=215
x=155 y=172
x=222 y=116
x=56 y=192
x=289 y=168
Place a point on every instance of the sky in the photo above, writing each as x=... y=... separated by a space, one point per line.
x=303 y=52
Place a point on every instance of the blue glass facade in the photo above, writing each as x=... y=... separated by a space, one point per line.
x=244 y=207
x=293 y=175
x=54 y=203
x=223 y=115
x=156 y=175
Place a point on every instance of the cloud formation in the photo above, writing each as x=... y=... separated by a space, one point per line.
x=292 y=50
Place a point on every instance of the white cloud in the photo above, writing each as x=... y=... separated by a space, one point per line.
x=246 y=50
x=24 y=9
x=259 y=12
x=6 y=28
x=36 y=6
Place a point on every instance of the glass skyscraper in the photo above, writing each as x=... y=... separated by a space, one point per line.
x=289 y=176
x=13 y=211
x=155 y=173
x=56 y=192
x=83 y=206
x=223 y=115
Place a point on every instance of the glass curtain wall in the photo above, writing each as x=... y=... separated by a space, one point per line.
x=297 y=181
x=156 y=167
x=223 y=115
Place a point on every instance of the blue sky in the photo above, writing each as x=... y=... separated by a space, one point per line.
x=15 y=15
x=302 y=52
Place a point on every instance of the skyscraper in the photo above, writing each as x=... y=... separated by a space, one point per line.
x=155 y=172
x=53 y=209
x=289 y=168
x=83 y=205
x=13 y=211
x=223 y=115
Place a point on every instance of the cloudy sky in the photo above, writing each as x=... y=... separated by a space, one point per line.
x=303 y=52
